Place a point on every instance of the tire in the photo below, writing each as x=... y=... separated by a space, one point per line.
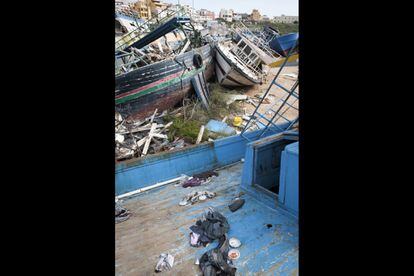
x=197 y=61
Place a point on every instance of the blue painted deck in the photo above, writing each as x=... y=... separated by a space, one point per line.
x=141 y=172
x=158 y=224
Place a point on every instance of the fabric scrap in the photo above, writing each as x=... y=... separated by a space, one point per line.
x=215 y=261
x=210 y=227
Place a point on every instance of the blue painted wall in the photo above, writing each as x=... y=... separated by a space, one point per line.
x=289 y=178
x=263 y=167
x=141 y=172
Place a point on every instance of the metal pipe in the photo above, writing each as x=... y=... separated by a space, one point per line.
x=138 y=191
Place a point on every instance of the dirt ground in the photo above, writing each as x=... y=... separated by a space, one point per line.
x=274 y=98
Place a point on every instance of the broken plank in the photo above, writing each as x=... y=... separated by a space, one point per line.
x=153 y=115
x=200 y=134
x=148 y=141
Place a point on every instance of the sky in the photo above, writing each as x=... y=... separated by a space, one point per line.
x=266 y=7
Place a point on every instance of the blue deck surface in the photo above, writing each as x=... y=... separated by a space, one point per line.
x=159 y=225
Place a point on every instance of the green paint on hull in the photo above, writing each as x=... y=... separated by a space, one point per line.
x=159 y=86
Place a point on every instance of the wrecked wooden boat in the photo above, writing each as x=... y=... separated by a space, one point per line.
x=233 y=71
x=154 y=69
x=162 y=84
x=240 y=60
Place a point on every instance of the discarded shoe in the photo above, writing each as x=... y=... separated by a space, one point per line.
x=165 y=262
x=194 y=197
x=121 y=214
x=236 y=204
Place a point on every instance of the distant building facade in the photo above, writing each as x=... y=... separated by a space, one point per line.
x=237 y=16
x=206 y=15
x=157 y=6
x=143 y=9
x=285 y=19
x=226 y=15
x=255 y=15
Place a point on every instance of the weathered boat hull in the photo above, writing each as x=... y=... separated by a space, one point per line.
x=284 y=43
x=228 y=74
x=160 y=85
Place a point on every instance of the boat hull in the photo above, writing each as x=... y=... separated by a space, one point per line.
x=161 y=85
x=228 y=74
x=284 y=43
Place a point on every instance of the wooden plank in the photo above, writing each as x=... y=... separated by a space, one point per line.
x=200 y=134
x=148 y=141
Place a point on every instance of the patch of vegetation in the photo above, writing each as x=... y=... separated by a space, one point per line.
x=187 y=122
x=186 y=129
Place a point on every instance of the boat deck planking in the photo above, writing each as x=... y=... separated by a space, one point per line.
x=158 y=224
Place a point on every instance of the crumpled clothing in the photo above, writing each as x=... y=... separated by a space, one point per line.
x=215 y=261
x=165 y=262
x=213 y=225
x=194 y=197
x=199 y=179
x=236 y=204
x=193 y=182
x=121 y=214
x=194 y=239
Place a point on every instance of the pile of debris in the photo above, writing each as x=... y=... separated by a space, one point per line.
x=138 y=138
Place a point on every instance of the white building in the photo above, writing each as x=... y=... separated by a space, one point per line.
x=226 y=15
x=237 y=16
x=285 y=19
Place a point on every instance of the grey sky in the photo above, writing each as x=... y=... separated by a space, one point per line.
x=268 y=7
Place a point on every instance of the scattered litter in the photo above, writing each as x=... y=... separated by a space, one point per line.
x=235 y=243
x=210 y=227
x=194 y=197
x=291 y=76
x=165 y=262
x=269 y=225
x=236 y=204
x=198 y=179
x=216 y=261
x=237 y=121
x=231 y=98
x=234 y=254
x=192 y=182
x=220 y=127
x=121 y=214
x=197 y=261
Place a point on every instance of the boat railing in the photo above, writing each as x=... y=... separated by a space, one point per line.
x=146 y=27
x=245 y=32
x=126 y=61
x=251 y=61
